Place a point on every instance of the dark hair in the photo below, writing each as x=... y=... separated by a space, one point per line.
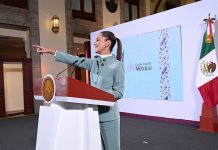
x=110 y=36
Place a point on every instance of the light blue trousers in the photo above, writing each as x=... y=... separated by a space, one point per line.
x=110 y=135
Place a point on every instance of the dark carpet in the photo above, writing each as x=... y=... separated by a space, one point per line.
x=136 y=134
x=139 y=134
x=18 y=133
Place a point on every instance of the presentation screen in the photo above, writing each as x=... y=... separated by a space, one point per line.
x=153 y=65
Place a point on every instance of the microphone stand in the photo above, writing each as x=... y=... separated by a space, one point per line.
x=66 y=69
x=71 y=66
x=76 y=66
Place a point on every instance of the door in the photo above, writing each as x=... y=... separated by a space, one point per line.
x=13 y=87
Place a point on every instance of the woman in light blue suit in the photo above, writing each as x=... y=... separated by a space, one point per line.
x=106 y=73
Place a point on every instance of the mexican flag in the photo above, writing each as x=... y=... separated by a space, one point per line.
x=207 y=73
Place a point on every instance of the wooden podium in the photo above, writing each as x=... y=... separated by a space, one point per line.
x=70 y=121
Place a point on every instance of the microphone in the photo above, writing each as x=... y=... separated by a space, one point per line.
x=75 y=66
x=66 y=68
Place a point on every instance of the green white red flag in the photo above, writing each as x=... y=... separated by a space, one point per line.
x=207 y=73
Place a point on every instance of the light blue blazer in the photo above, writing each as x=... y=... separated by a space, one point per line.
x=106 y=74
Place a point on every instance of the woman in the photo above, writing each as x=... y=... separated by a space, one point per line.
x=106 y=73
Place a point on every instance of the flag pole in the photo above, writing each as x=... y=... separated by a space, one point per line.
x=206 y=19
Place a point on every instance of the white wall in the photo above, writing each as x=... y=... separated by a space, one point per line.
x=109 y=19
x=190 y=18
x=47 y=9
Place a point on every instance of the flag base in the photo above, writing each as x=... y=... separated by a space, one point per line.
x=208 y=119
